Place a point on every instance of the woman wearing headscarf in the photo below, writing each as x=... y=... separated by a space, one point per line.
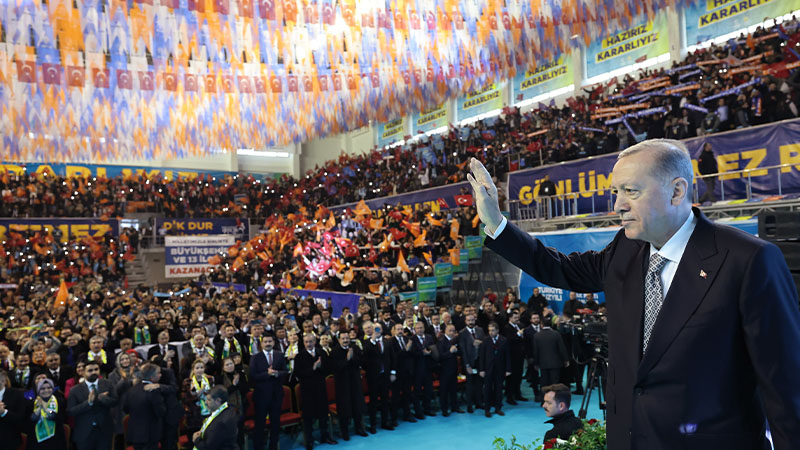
x=46 y=429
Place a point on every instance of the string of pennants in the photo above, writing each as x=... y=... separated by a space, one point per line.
x=99 y=80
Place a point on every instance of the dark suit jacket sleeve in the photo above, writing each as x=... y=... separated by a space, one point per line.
x=771 y=320
x=110 y=399
x=218 y=433
x=15 y=405
x=258 y=368
x=580 y=272
x=482 y=357
x=157 y=404
x=77 y=404
x=507 y=351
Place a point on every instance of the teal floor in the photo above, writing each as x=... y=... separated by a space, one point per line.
x=458 y=431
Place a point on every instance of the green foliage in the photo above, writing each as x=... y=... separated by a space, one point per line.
x=591 y=437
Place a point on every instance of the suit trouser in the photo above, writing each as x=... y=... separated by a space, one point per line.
x=308 y=428
x=493 y=391
x=271 y=406
x=95 y=441
x=447 y=392
x=533 y=378
x=169 y=437
x=378 y=399
x=550 y=376
x=514 y=380
x=147 y=446
x=401 y=397
x=423 y=391
x=474 y=390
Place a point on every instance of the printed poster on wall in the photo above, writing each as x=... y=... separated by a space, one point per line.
x=481 y=101
x=553 y=74
x=707 y=19
x=644 y=40
x=391 y=132
x=430 y=119
x=187 y=256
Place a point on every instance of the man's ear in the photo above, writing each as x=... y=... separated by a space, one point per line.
x=680 y=189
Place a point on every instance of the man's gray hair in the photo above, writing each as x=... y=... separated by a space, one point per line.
x=670 y=160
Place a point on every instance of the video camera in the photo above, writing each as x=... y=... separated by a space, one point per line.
x=591 y=329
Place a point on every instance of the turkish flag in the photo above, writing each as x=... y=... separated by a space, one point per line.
x=443 y=203
x=246 y=8
x=146 y=81
x=76 y=76
x=100 y=78
x=337 y=82
x=211 y=84
x=275 y=84
x=170 y=82
x=308 y=85
x=261 y=85
x=323 y=83
x=196 y=5
x=222 y=6
x=292 y=83
x=464 y=200
x=328 y=14
x=244 y=85
x=52 y=73
x=124 y=80
x=190 y=83
x=227 y=84
x=376 y=80
x=351 y=81
x=267 y=9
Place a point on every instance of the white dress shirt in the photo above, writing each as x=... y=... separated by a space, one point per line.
x=673 y=250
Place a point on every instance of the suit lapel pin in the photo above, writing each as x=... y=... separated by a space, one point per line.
x=703 y=273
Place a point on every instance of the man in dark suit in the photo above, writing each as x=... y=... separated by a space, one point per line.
x=310 y=366
x=533 y=373
x=345 y=364
x=494 y=365
x=471 y=338
x=168 y=386
x=448 y=379
x=549 y=354
x=537 y=302
x=98 y=353
x=572 y=305
x=56 y=372
x=423 y=363
x=703 y=319
x=268 y=373
x=22 y=375
x=164 y=351
x=89 y=404
x=14 y=413
x=516 y=350
x=228 y=343
x=147 y=409
x=401 y=374
x=220 y=430
x=377 y=364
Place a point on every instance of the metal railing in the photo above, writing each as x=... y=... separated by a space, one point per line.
x=568 y=204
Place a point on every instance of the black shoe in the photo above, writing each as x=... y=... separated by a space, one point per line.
x=500 y=413
x=411 y=419
x=430 y=413
x=329 y=441
x=578 y=392
x=346 y=436
x=522 y=399
x=387 y=426
x=362 y=433
x=459 y=410
x=420 y=416
x=373 y=430
x=470 y=410
x=446 y=414
x=488 y=413
x=309 y=447
x=512 y=402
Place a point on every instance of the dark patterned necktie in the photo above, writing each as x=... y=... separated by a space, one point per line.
x=653 y=296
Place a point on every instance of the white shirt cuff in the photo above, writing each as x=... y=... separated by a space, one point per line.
x=499 y=229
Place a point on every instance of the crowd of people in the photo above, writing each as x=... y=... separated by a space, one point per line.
x=124 y=367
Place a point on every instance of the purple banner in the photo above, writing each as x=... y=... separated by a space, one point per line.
x=763 y=146
x=339 y=300
x=416 y=199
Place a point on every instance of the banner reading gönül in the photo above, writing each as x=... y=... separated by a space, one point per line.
x=481 y=101
x=647 y=39
x=187 y=256
x=430 y=119
x=392 y=131
x=553 y=74
x=706 y=19
x=750 y=148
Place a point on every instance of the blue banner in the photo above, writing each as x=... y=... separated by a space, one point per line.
x=416 y=199
x=108 y=171
x=643 y=40
x=546 y=77
x=707 y=19
x=238 y=228
x=188 y=256
x=338 y=300
x=68 y=228
x=390 y=132
x=479 y=102
x=751 y=148
x=583 y=241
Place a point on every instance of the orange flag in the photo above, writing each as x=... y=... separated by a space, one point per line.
x=475 y=221
x=298 y=250
x=233 y=251
x=387 y=242
x=348 y=277
x=401 y=263
x=310 y=285
x=433 y=221
x=331 y=222
x=375 y=288
x=362 y=209
x=454 y=229
x=428 y=257
x=420 y=241
x=455 y=256
x=376 y=224
x=61 y=296
x=238 y=263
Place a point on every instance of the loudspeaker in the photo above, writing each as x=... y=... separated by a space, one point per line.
x=791 y=251
x=779 y=225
